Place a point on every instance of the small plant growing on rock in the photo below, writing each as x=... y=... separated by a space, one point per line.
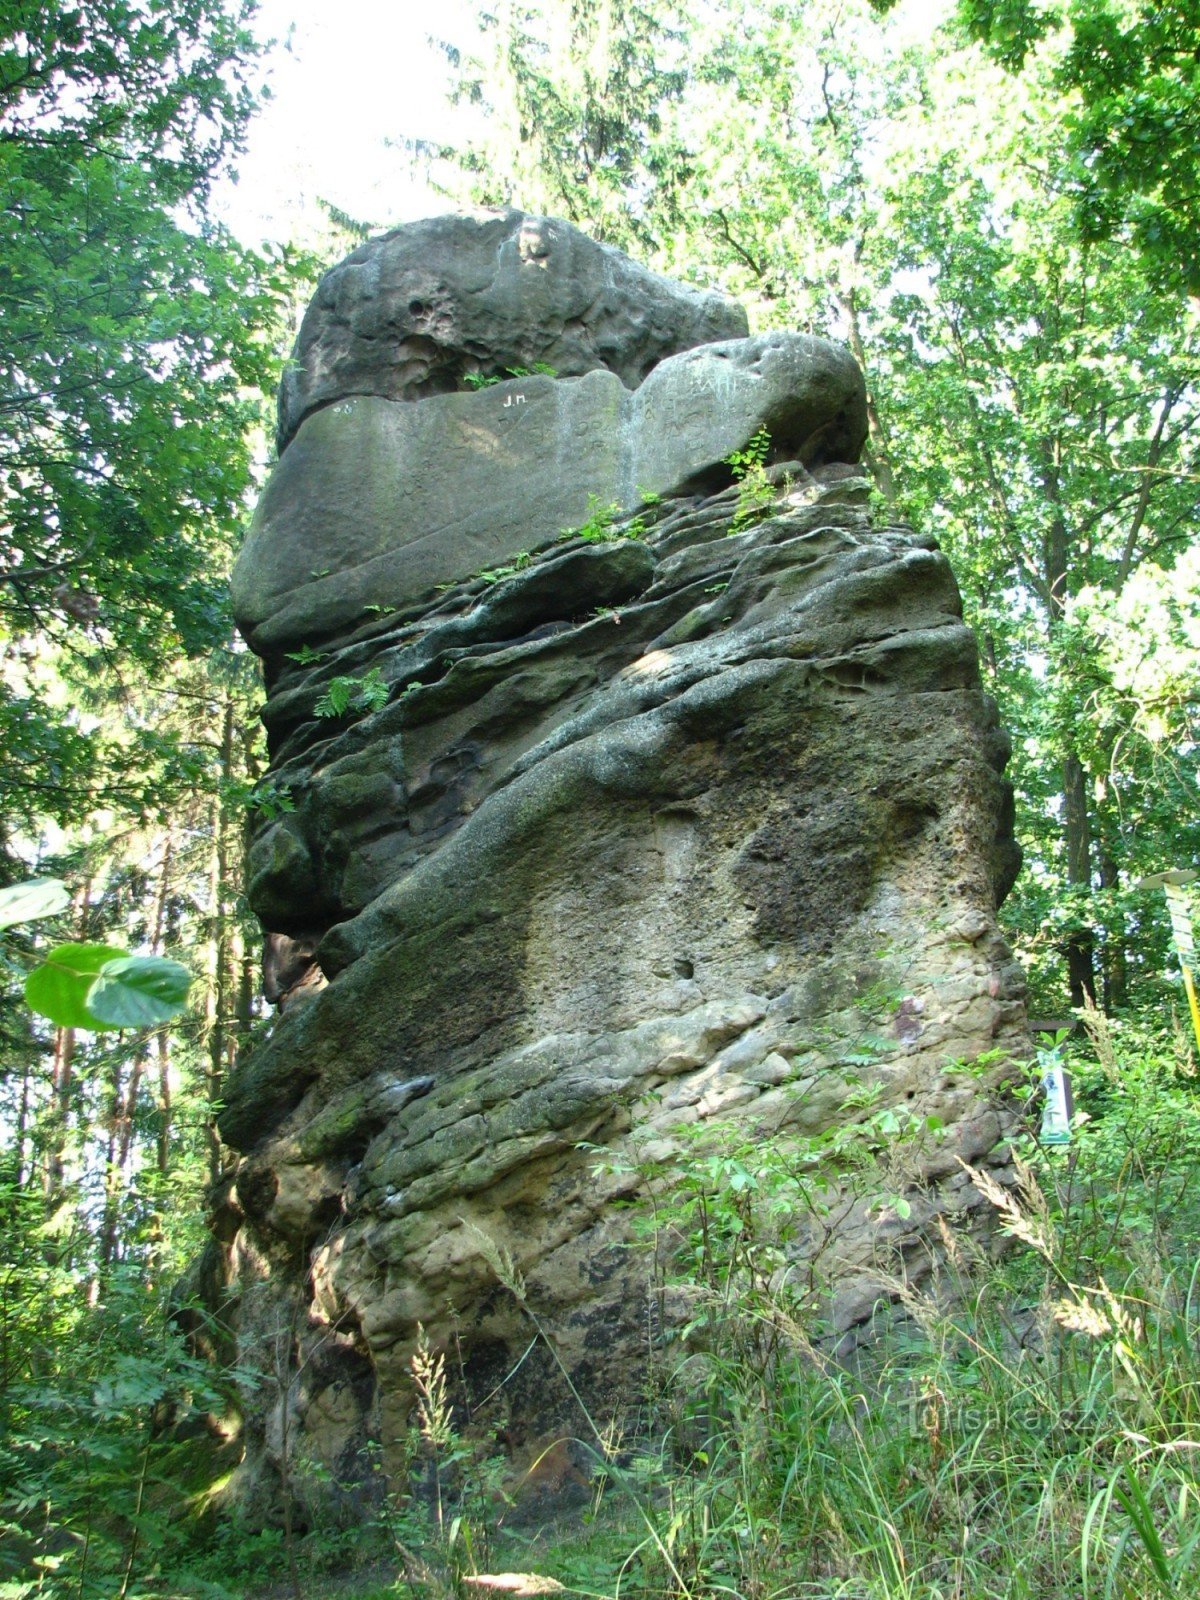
x=269 y=799
x=601 y=525
x=485 y=380
x=498 y=574
x=306 y=655
x=756 y=494
x=351 y=696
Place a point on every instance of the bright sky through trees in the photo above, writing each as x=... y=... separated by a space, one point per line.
x=344 y=79
x=348 y=83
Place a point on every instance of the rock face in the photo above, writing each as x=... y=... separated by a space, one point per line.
x=694 y=822
x=414 y=313
x=377 y=501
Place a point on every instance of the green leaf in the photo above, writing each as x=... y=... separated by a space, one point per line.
x=26 y=902
x=59 y=988
x=95 y=987
x=138 y=992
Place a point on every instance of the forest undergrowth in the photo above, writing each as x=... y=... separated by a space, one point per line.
x=1027 y=1426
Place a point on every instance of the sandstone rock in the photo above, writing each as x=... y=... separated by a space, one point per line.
x=650 y=836
x=376 y=502
x=413 y=313
x=693 y=411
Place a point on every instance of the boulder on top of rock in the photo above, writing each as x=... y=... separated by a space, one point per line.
x=695 y=410
x=415 y=312
x=376 y=502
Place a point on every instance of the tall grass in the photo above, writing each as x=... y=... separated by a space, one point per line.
x=1026 y=1427
x=1029 y=1428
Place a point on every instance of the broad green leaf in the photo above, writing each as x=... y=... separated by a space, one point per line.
x=138 y=992
x=59 y=988
x=26 y=902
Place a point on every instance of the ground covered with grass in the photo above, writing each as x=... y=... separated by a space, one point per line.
x=1025 y=1428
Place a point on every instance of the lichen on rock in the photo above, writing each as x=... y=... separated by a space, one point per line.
x=691 y=817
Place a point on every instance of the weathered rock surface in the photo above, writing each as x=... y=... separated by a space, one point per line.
x=377 y=502
x=415 y=312
x=700 y=829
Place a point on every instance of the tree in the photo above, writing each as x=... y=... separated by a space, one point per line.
x=135 y=339
x=1132 y=75
x=1048 y=387
x=577 y=97
x=136 y=343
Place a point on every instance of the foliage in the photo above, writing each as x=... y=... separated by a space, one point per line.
x=348 y=695
x=133 y=334
x=306 y=655
x=510 y=569
x=756 y=494
x=1130 y=75
x=107 y=1146
x=605 y=523
x=94 y=1483
x=92 y=986
x=96 y=987
x=27 y=902
x=487 y=380
x=575 y=96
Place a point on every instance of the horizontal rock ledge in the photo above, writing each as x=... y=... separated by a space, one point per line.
x=377 y=502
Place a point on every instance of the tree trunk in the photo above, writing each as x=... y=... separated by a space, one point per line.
x=21 y=1132
x=1114 y=955
x=880 y=452
x=114 y=1139
x=164 y=1104
x=1080 y=946
x=162 y=1040
x=54 y=1176
x=1081 y=939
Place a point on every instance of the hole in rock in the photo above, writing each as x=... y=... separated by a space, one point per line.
x=684 y=968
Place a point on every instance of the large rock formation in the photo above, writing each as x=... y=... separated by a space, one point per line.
x=691 y=817
x=376 y=501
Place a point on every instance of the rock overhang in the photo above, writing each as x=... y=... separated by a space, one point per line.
x=428 y=306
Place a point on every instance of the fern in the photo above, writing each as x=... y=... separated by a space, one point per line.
x=349 y=695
